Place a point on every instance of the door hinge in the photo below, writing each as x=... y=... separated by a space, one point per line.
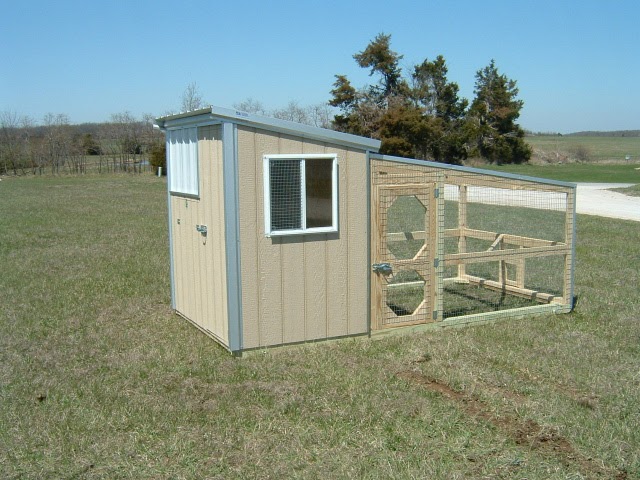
x=436 y=193
x=436 y=262
x=435 y=314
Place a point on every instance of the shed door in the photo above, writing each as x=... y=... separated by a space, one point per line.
x=403 y=254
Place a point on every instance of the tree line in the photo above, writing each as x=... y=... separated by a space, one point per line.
x=124 y=143
x=421 y=115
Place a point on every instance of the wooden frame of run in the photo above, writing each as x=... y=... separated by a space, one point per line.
x=509 y=251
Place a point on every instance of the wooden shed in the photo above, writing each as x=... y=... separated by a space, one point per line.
x=282 y=233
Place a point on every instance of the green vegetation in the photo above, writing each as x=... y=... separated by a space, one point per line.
x=563 y=148
x=422 y=116
x=98 y=379
x=577 y=172
x=633 y=191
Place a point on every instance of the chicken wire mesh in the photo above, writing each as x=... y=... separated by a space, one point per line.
x=508 y=221
x=486 y=244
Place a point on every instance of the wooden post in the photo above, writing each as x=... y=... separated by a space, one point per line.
x=462 y=225
x=569 y=233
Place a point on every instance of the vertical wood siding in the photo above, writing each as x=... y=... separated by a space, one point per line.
x=302 y=287
x=199 y=261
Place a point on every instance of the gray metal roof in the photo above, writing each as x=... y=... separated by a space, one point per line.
x=212 y=115
x=460 y=168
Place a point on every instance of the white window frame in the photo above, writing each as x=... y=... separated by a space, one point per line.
x=267 y=159
x=182 y=147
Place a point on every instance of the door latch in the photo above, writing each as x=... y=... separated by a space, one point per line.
x=202 y=229
x=382 y=268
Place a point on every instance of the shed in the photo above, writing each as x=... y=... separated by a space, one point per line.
x=282 y=233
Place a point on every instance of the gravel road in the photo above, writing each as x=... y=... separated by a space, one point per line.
x=597 y=199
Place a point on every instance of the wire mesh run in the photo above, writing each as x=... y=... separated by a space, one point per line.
x=464 y=245
x=504 y=248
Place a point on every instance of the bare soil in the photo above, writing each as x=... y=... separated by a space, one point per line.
x=546 y=440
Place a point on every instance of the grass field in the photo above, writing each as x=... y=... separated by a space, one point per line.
x=98 y=379
x=586 y=148
x=577 y=172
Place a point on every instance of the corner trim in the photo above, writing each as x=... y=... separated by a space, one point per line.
x=232 y=234
x=172 y=281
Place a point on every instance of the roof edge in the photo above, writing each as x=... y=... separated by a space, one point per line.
x=213 y=114
x=483 y=171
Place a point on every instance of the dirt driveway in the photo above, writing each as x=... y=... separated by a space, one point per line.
x=597 y=199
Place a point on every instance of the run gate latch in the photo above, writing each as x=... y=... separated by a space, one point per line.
x=382 y=268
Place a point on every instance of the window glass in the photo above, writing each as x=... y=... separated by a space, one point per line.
x=300 y=194
x=319 y=186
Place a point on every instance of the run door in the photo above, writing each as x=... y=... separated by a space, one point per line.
x=403 y=251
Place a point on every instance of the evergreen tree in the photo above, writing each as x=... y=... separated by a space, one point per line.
x=492 y=116
x=439 y=101
x=423 y=120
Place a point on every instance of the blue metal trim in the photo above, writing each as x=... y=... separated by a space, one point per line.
x=172 y=281
x=458 y=168
x=232 y=234
x=369 y=259
x=213 y=114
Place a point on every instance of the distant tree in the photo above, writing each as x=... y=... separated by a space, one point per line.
x=251 y=106
x=421 y=117
x=383 y=61
x=90 y=145
x=57 y=140
x=192 y=98
x=438 y=98
x=158 y=157
x=317 y=115
x=9 y=142
x=292 y=112
x=491 y=122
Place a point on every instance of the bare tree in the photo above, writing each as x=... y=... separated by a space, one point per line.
x=251 y=106
x=57 y=139
x=125 y=133
x=292 y=112
x=9 y=141
x=320 y=115
x=191 y=98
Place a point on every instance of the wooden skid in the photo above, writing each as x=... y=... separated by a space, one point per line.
x=513 y=290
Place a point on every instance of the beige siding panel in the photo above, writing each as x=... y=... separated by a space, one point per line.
x=300 y=288
x=293 y=284
x=295 y=252
x=269 y=274
x=337 y=268
x=250 y=182
x=357 y=229
x=199 y=261
x=292 y=269
x=315 y=287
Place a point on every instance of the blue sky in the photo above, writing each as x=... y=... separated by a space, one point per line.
x=577 y=63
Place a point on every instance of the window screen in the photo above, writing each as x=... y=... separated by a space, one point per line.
x=301 y=193
x=183 y=161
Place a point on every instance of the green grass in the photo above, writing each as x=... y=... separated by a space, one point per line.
x=586 y=148
x=633 y=191
x=98 y=379
x=577 y=172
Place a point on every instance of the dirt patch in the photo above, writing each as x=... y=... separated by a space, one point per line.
x=528 y=433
